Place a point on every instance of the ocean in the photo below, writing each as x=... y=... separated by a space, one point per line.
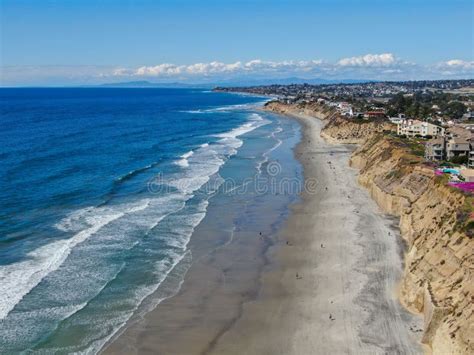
x=102 y=191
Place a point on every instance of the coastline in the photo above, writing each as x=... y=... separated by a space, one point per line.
x=344 y=250
x=228 y=253
x=345 y=300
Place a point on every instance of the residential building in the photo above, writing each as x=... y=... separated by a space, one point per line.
x=412 y=128
x=458 y=142
x=345 y=109
x=470 y=162
x=469 y=115
x=434 y=149
x=397 y=119
x=375 y=113
x=456 y=147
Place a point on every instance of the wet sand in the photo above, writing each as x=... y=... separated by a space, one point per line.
x=348 y=258
x=325 y=285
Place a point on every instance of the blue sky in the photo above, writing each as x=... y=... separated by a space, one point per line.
x=85 y=41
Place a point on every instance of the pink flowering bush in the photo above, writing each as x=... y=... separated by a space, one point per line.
x=464 y=186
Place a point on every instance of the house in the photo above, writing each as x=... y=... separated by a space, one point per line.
x=434 y=149
x=457 y=147
x=412 y=128
x=458 y=142
x=344 y=106
x=375 y=113
x=345 y=109
x=349 y=113
x=470 y=162
x=397 y=119
x=469 y=115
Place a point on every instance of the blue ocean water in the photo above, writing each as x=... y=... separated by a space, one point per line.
x=100 y=192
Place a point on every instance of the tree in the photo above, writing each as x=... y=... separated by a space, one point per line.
x=455 y=109
x=460 y=159
x=398 y=103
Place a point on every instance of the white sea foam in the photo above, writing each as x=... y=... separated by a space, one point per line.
x=114 y=228
x=182 y=233
x=163 y=269
x=107 y=329
x=193 y=111
x=277 y=130
x=267 y=153
x=208 y=159
x=279 y=141
x=183 y=162
x=18 y=279
x=255 y=121
x=227 y=108
x=187 y=155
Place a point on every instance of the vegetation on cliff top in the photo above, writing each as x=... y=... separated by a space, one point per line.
x=426 y=104
x=413 y=150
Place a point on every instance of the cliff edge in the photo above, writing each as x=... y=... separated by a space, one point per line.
x=337 y=129
x=435 y=221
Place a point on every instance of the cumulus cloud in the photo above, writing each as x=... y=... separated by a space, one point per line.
x=370 y=60
x=214 y=68
x=455 y=67
x=383 y=66
x=257 y=66
x=458 y=63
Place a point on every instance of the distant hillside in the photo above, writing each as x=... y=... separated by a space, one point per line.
x=232 y=82
x=148 y=84
x=286 y=81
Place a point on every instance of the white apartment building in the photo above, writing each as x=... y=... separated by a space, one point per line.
x=412 y=128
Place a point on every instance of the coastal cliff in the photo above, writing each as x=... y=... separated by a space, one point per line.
x=315 y=110
x=337 y=130
x=435 y=222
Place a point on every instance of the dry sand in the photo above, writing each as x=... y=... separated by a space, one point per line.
x=348 y=258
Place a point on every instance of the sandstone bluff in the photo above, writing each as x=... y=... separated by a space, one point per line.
x=438 y=274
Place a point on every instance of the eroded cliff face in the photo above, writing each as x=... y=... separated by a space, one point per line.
x=434 y=221
x=314 y=110
x=343 y=130
x=338 y=130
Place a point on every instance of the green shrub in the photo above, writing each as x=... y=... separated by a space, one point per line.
x=461 y=159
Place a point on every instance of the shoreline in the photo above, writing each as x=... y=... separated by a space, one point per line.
x=334 y=305
x=225 y=271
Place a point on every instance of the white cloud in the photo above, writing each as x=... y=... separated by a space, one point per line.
x=371 y=60
x=384 y=66
x=458 y=63
x=215 y=68
x=455 y=67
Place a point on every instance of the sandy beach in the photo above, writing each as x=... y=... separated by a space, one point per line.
x=348 y=258
x=327 y=284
